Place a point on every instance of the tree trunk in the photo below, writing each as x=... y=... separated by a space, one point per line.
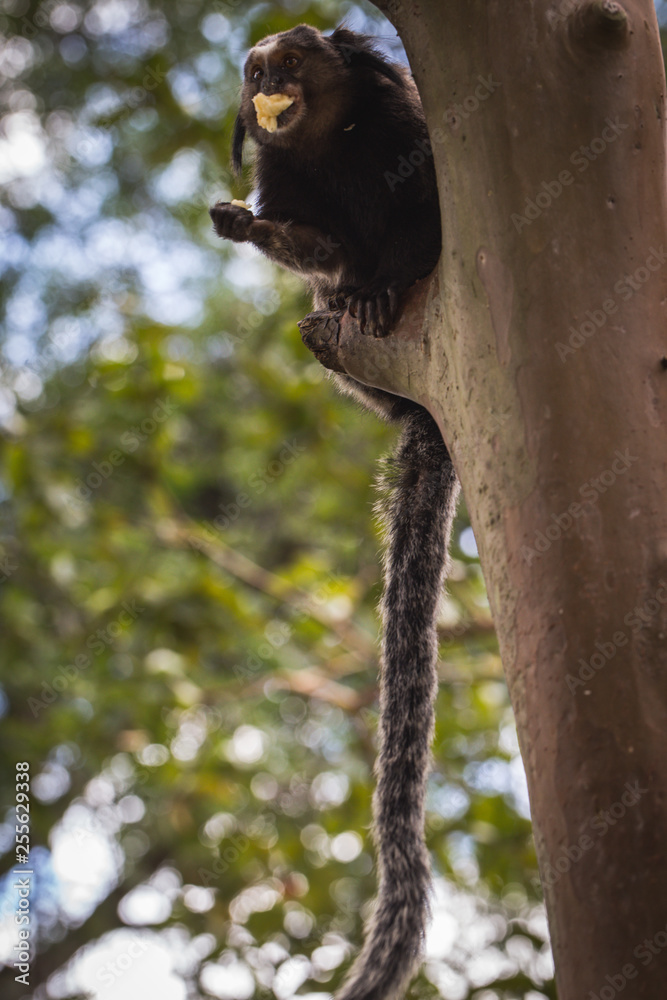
x=540 y=348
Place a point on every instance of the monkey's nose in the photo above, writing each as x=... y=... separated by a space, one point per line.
x=273 y=85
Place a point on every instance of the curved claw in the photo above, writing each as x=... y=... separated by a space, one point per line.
x=375 y=308
x=339 y=299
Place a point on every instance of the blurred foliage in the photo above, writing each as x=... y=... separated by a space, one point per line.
x=189 y=566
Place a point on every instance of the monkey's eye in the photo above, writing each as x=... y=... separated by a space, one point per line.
x=290 y=62
x=257 y=73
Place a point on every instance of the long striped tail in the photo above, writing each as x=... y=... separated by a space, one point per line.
x=420 y=489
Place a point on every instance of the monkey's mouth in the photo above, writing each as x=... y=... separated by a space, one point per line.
x=287 y=116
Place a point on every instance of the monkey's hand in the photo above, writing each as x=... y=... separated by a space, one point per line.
x=300 y=247
x=375 y=307
x=232 y=222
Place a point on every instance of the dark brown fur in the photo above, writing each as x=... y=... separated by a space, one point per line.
x=326 y=207
x=335 y=208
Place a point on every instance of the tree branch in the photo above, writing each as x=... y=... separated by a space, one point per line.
x=397 y=363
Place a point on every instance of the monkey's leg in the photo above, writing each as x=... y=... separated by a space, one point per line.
x=402 y=262
x=420 y=489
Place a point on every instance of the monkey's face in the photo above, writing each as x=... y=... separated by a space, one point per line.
x=305 y=66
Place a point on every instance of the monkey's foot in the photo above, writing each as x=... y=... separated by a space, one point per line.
x=375 y=307
x=387 y=363
x=340 y=299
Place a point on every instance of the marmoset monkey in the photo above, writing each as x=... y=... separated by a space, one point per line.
x=333 y=120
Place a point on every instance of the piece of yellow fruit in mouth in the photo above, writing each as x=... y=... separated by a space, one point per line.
x=268 y=107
